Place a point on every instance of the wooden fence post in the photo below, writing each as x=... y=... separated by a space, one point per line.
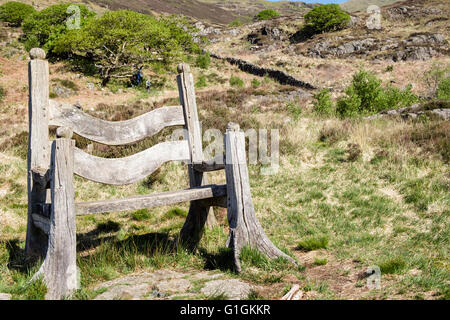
x=192 y=230
x=38 y=148
x=245 y=229
x=59 y=268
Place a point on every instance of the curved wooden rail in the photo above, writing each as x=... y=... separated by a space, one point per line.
x=130 y=169
x=114 y=132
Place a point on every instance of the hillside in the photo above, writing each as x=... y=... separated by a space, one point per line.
x=362 y=5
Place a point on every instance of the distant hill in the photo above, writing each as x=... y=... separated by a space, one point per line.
x=191 y=8
x=361 y=5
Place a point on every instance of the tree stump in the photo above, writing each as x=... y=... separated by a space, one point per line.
x=245 y=229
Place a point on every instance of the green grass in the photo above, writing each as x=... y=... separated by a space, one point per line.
x=236 y=82
x=392 y=265
x=313 y=243
x=320 y=261
x=141 y=215
x=388 y=207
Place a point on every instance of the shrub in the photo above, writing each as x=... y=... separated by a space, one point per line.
x=443 y=91
x=201 y=82
x=44 y=28
x=236 y=82
x=256 y=83
x=236 y=23
x=438 y=81
x=2 y=94
x=267 y=14
x=326 y=18
x=203 y=61
x=294 y=109
x=15 y=12
x=323 y=104
x=366 y=96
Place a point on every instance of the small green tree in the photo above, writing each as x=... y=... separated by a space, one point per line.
x=236 y=82
x=366 y=96
x=15 y=12
x=116 y=42
x=44 y=28
x=326 y=18
x=203 y=60
x=322 y=103
x=267 y=14
x=443 y=91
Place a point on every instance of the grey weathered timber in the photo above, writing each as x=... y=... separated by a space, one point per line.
x=217 y=163
x=41 y=222
x=38 y=148
x=114 y=132
x=121 y=171
x=151 y=200
x=59 y=267
x=245 y=229
x=198 y=214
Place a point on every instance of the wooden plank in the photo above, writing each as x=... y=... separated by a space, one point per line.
x=217 y=163
x=114 y=132
x=245 y=229
x=198 y=214
x=59 y=267
x=187 y=99
x=38 y=147
x=42 y=223
x=121 y=171
x=150 y=200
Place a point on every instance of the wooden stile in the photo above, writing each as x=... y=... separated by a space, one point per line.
x=51 y=230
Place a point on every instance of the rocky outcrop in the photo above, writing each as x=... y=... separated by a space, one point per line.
x=436 y=109
x=278 y=75
x=415 y=47
x=410 y=12
x=169 y=285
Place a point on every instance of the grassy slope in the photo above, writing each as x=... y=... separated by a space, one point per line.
x=384 y=202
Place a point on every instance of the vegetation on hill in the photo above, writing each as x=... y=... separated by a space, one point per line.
x=44 y=28
x=267 y=14
x=365 y=96
x=15 y=12
x=362 y=5
x=326 y=18
x=116 y=42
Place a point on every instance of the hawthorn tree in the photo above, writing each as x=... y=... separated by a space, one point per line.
x=44 y=28
x=15 y=12
x=116 y=42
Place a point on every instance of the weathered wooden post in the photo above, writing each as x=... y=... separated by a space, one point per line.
x=59 y=268
x=38 y=149
x=245 y=229
x=192 y=230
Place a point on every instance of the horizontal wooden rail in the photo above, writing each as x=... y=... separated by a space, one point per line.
x=120 y=171
x=217 y=163
x=151 y=200
x=114 y=132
